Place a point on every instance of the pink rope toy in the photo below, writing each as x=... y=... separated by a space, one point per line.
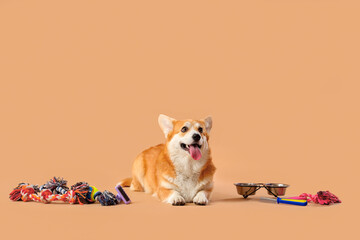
x=322 y=197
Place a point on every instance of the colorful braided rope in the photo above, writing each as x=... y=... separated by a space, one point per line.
x=56 y=190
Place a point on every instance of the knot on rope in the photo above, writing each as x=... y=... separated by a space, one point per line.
x=15 y=195
x=322 y=197
x=56 y=185
x=81 y=190
x=26 y=192
x=107 y=198
x=45 y=195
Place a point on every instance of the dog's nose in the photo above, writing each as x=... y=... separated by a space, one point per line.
x=196 y=137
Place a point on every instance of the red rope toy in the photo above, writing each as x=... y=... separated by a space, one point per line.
x=322 y=197
x=56 y=190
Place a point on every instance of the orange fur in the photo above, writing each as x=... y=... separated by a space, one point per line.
x=126 y=182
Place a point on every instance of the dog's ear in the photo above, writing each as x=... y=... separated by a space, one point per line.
x=208 y=124
x=166 y=124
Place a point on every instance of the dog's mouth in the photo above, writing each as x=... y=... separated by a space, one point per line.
x=193 y=149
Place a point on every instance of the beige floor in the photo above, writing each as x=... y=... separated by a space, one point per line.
x=228 y=216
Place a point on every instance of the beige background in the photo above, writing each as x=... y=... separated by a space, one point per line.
x=82 y=84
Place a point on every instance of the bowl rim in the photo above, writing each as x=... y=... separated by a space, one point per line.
x=277 y=185
x=271 y=185
x=247 y=184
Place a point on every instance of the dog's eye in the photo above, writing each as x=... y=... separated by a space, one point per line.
x=184 y=129
x=200 y=129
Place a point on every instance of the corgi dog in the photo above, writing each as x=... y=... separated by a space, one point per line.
x=179 y=171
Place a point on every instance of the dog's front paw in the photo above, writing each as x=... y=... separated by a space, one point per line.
x=176 y=199
x=200 y=199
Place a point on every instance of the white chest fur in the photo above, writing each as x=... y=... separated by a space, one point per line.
x=187 y=174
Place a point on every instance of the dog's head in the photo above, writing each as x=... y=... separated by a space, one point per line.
x=188 y=137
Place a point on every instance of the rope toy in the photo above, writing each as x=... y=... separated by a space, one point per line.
x=322 y=197
x=56 y=190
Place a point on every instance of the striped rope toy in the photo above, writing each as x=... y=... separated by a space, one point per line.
x=56 y=190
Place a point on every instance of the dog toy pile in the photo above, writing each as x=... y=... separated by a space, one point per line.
x=56 y=190
x=322 y=197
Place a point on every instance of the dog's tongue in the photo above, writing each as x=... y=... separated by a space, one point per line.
x=195 y=152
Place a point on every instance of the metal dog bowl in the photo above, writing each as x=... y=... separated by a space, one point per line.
x=274 y=189
x=277 y=189
x=246 y=189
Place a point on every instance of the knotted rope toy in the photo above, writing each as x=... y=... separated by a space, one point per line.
x=322 y=197
x=56 y=190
